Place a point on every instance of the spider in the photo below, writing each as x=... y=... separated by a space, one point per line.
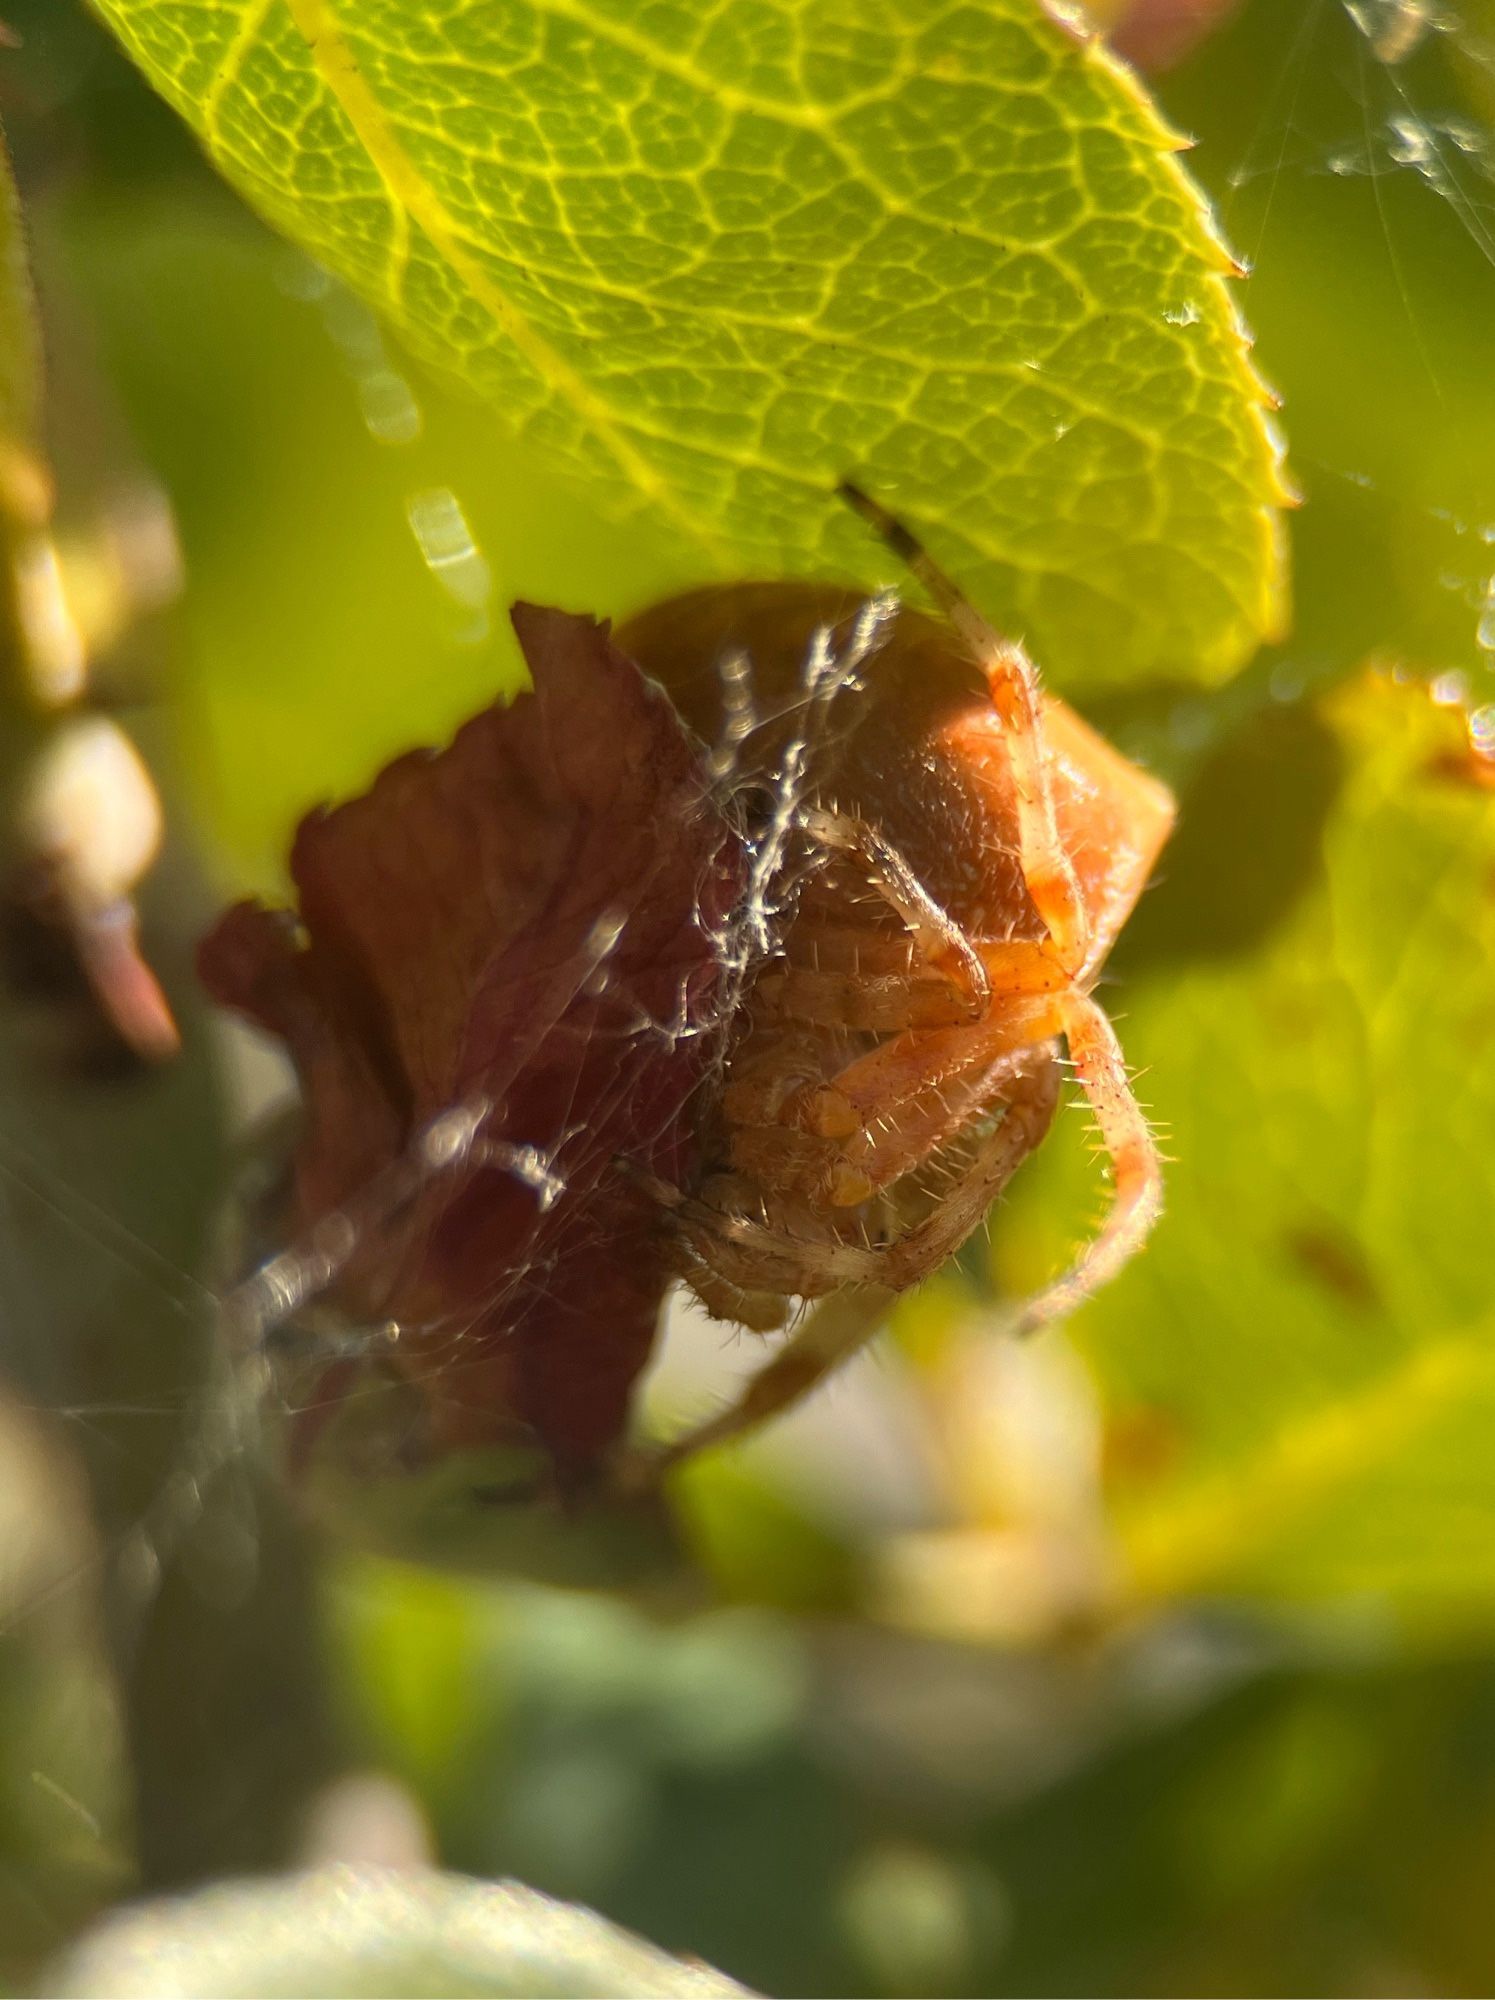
x=578 y=1006
x=963 y=856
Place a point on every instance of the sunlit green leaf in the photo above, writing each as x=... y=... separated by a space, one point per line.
x=1301 y=1367
x=713 y=259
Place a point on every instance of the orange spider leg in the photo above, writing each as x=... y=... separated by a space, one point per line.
x=833 y=1330
x=943 y=944
x=1136 y=1165
x=879 y=1097
x=894 y=1106
x=1022 y=967
x=830 y=1333
x=1047 y=869
x=1012 y=680
x=897 y=1104
x=885 y=1002
x=876 y=1002
x=904 y=1137
x=888 y=1084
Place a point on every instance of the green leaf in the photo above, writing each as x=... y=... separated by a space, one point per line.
x=1303 y=1359
x=354 y=1931
x=711 y=260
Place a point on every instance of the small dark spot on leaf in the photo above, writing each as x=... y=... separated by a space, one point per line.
x=1336 y=1261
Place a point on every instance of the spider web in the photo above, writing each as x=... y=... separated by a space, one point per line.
x=1359 y=189
x=138 y=1359
x=229 y=1307
x=1348 y=146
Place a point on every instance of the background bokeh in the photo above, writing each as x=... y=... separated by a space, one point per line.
x=1154 y=1659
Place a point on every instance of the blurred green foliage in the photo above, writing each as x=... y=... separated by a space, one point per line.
x=1156 y=1660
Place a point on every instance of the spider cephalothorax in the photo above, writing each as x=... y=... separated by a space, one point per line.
x=965 y=851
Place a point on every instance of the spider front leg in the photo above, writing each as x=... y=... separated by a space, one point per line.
x=1136 y=1165
x=1012 y=681
x=943 y=945
x=906 y=1078
x=888 y=1110
x=909 y=1077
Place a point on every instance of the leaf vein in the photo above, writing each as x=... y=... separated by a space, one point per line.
x=408 y=188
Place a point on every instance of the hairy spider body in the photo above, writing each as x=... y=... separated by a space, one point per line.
x=956 y=862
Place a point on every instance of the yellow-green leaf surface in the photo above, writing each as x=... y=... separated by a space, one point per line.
x=1300 y=1369
x=711 y=258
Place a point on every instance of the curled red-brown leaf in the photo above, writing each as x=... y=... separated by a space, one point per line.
x=529 y=920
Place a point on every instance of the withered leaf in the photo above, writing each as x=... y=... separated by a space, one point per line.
x=530 y=918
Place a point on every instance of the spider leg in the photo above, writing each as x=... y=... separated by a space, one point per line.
x=1012 y=680
x=887 y=1110
x=1048 y=871
x=813 y=1264
x=830 y=1333
x=870 y=1279
x=1029 y=1097
x=905 y=1098
x=885 y=1001
x=1137 y=1198
x=944 y=946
